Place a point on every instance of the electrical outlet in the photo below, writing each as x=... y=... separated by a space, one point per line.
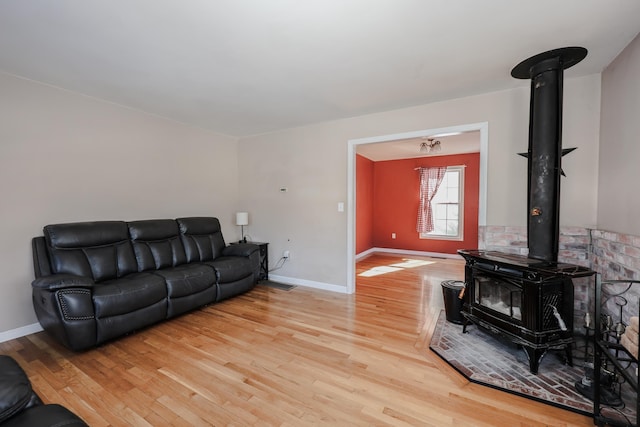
x=285 y=254
x=393 y=235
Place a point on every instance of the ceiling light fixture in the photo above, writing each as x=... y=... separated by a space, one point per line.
x=429 y=145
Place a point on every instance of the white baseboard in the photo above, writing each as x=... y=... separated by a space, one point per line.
x=308 y=283
x=406 y=252
x=366 y=253
x=343 y=289
x=20 y=332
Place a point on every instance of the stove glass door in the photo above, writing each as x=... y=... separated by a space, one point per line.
x=499 y=295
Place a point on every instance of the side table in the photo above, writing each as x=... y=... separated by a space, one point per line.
x=264 y=260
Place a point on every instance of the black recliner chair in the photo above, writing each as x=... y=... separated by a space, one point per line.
x=20 y=406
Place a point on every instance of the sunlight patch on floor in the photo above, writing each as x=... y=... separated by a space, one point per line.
x=376 y=271
x=412 y=263
x=384 y=269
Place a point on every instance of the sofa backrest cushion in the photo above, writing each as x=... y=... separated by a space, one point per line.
x=202 y=238
x=156 y=244
x=100 y=249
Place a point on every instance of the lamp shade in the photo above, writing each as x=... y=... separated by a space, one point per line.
x=242 y=218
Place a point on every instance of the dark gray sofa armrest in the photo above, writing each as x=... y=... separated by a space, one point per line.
x=62 y=281
x=20 y=406
x=240 y=249
x=51 y=415
x=15 y=389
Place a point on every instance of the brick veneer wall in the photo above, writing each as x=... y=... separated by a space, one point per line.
x=617 y=256
x=613 y=255
x=574 y=245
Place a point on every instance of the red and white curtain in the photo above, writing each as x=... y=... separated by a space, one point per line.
x=430 y=180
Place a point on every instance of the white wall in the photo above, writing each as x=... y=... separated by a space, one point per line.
x=66 y=157
x=312 y=163
x=618 y=201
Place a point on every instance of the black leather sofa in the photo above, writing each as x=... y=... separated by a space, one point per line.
x=96 y=281
x=20 y=406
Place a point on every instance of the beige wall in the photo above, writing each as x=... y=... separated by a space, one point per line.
x=66 y=157
x=312 y=163
x=619 y=173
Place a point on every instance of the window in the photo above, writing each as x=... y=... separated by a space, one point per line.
x=447 y=206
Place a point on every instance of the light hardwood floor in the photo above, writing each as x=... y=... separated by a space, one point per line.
x=286 y=358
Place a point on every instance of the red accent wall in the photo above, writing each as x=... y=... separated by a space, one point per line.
x=396 y=189
x=364 y=204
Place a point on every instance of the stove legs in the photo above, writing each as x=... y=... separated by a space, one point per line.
x=568 y=354
x=535 y=355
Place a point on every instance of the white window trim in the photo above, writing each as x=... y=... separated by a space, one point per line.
x=460 y=236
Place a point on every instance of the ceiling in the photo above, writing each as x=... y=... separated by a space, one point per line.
x=245 y=67
x=460 y=143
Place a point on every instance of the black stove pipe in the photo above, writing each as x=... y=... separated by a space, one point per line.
x=545 y=147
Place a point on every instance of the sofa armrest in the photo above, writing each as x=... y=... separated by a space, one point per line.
x=246 y=250
x=51 y=415
x=240 y=249
x=15 y=389
x=67 y=313
x=62 y=281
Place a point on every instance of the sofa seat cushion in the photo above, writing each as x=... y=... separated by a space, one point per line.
x=187 y=279
x=128 y=294
x=231 y=289
x=230 y=269
x=15 y=388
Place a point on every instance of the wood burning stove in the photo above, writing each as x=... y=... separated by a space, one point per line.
x=529 y=299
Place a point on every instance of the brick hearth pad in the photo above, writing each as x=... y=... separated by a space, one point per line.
x=489 y=360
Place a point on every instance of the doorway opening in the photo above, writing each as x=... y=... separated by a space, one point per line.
x=356 y=144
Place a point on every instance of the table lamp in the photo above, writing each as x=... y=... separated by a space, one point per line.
x=242 y=219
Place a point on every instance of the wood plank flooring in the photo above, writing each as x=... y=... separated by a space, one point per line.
x=286 y=358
